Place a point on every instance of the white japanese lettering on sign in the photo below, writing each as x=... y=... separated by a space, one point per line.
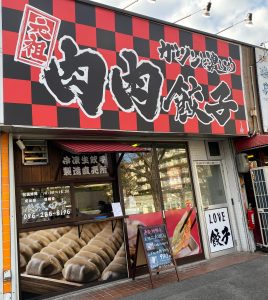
x=45 y=204
x=77 y=165
x=37 y=37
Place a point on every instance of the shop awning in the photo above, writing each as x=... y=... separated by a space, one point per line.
x=80 y=147
x=248 y=143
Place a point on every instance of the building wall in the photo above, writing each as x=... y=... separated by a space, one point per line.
x=8 y=230
x=36 y=174
x=239 y=213
x=250 y=88
x=5 y=233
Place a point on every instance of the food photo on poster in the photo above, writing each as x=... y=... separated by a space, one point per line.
x=182 y=230
x=71 y=258
x=70 y=231
x=134 y=221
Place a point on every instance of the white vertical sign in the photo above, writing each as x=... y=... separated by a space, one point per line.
x=262 y=77
x=117 y=210
x=219 y=229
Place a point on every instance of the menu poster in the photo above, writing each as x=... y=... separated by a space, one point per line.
x=156 y=248
x=41 y=204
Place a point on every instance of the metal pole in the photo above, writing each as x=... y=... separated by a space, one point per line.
x=230 y=26
x=130 y=4
x=189 y=15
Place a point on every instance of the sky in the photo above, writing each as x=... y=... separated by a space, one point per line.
x=224 y=13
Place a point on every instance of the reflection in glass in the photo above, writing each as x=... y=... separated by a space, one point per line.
x=139 y=181
x=147 y=176
x=175 y=178
x=211 y=184
x=94 y=198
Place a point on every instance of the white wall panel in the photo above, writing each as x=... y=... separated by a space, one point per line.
x=197 y=150
x=238 y=211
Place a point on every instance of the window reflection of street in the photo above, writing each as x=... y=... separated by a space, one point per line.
x=160 y=172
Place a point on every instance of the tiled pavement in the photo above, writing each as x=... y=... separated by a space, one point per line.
x=119 y=289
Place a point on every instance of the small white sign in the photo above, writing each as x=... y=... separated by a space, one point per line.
x=219 y=229
x=117 y=210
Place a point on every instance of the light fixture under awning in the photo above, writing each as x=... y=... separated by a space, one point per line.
x=81 y=147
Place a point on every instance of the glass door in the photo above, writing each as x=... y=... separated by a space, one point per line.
x=210 y=179
x=214 y=207
x=178 y=201
x=142 y=202
x=157 y=188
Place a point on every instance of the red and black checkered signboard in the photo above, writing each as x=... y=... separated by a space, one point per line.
x=69 y=64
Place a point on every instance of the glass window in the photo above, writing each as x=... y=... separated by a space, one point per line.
x=41 y=204
x=139 y=175
x=214 y=149
x=94 y=198
x=175 y=178
x=211 y=184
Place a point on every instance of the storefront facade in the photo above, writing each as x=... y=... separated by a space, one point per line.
x=111 y=121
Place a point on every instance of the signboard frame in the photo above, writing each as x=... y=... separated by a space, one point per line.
x=141 y=246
